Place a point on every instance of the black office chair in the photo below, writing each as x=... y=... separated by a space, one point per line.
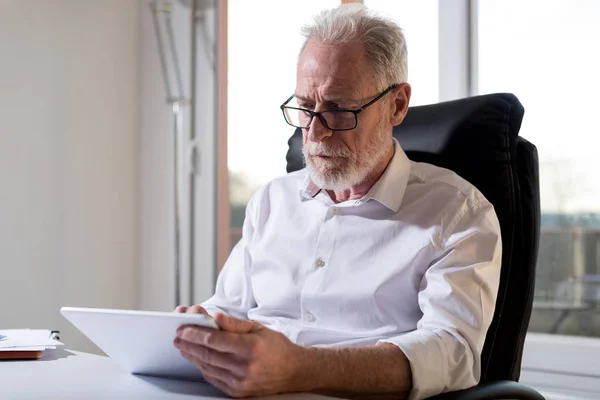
x=477 y=138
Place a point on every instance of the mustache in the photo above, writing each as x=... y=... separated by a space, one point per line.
x=320 y=149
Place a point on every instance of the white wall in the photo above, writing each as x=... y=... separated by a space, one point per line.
x=69 y=158
x=156 y=204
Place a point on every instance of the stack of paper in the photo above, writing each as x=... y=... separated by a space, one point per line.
x=26 y=343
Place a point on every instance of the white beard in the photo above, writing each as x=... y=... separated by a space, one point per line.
x=349 y=169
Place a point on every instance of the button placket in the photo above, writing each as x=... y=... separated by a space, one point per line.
x=308 y=317
x=309 y=306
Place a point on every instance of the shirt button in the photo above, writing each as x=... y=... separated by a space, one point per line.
x=320 y=263
x=335 y=210
x=308 y=317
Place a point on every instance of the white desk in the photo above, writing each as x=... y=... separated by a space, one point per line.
x=65 y=374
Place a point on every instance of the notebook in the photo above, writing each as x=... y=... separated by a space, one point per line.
x=26 y=343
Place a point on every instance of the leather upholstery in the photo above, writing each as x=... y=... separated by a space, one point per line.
x=477 y=137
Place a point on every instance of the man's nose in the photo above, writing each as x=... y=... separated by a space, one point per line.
x=317 y=131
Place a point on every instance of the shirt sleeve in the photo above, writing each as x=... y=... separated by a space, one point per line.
x=233 y=294
x=457 y=296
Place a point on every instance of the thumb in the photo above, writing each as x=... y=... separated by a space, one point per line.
x=230 y=324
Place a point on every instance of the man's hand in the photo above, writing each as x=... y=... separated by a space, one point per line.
x=191 y=310
x=244 y=358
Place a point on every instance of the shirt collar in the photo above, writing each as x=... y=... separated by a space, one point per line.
x=388 y=190
x=309 y=189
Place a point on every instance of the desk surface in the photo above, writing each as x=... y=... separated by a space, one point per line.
x=66 y=374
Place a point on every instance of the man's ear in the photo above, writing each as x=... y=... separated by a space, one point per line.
x=400 y=98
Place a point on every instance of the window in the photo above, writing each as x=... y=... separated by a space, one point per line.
x=419 y=20
x=262 y=73
x=548 y=56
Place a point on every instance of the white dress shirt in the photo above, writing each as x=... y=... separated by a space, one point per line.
x=415 y=263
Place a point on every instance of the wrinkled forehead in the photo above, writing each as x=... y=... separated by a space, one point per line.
x=338 y=71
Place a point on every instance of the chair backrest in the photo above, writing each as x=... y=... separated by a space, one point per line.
x=477 y=138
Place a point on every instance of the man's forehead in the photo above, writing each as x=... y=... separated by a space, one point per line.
x=331 y=91
x=330 y=88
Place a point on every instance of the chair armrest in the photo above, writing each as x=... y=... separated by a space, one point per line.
x=498 y=390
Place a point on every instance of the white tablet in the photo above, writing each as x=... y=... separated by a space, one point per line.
x=141 y=342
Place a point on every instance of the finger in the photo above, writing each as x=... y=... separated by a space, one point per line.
x=222 y=386
x=221 y=378
x=224 y=342
x=196 y=310
x=211 y=357
x=235 y=325
x=232 y=386
x=222 y=373
x=180 y=309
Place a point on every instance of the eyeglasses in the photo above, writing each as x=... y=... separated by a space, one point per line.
x=334 y=120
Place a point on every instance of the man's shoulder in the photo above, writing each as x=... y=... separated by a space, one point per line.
x=286 y=184
x=445 y=198
x=442 y=183
x=281 y=187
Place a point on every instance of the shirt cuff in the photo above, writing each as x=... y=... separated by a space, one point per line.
x=428 y=362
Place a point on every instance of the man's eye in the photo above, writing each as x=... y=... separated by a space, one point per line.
x=307 y=106
x=336 y=106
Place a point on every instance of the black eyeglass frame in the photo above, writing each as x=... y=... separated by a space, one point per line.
x=322 y=119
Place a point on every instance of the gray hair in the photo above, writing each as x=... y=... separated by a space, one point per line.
x=383 y=39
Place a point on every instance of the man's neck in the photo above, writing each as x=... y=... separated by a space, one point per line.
x=360 y=190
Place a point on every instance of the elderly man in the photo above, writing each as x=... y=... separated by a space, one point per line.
x=364 y=274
